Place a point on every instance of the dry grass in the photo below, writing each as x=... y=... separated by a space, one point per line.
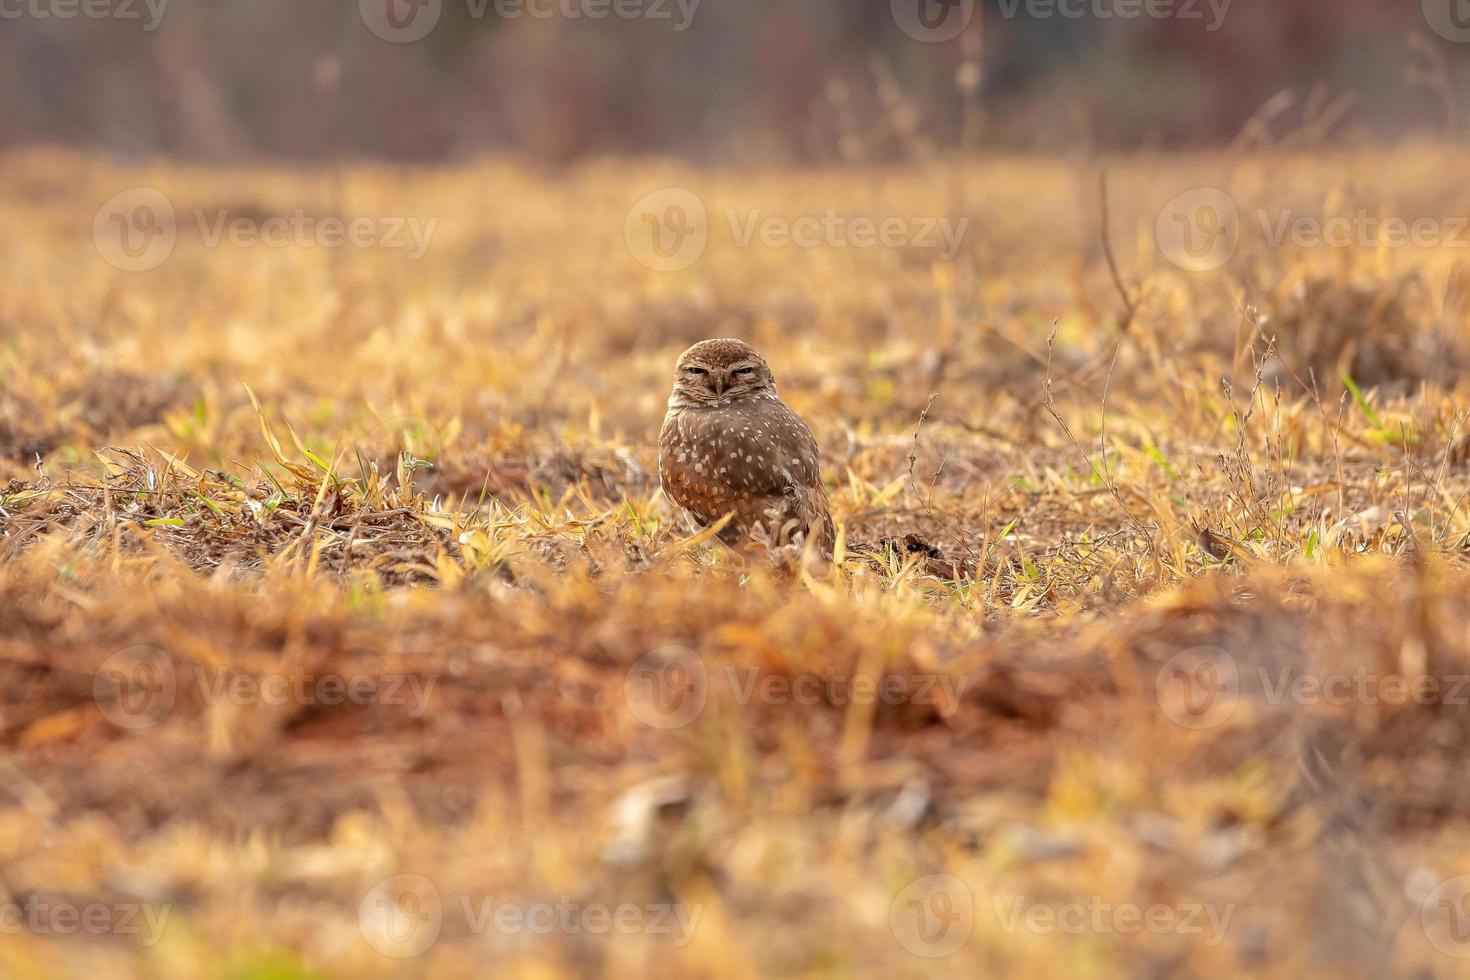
x=1201 y=478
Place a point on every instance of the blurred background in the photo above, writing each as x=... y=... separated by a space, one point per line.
x=773 y=81
x=1131 y=447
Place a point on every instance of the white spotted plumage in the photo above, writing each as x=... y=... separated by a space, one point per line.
x=724 y=406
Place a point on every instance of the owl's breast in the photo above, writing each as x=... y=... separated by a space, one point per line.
x=696 y=456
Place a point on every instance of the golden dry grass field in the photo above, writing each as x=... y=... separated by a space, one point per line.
x=345 y=631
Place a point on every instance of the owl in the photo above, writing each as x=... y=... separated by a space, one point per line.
x=729 y=446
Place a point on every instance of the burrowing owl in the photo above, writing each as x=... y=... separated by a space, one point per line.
x=729 y=446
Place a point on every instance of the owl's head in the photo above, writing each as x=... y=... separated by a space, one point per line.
x=717 y=372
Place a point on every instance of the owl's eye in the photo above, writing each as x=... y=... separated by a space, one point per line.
x=744 y=372
x=697 y=371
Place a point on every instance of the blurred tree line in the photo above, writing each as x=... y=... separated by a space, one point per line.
x=748 y=80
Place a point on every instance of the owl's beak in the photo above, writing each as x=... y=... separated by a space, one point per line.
x=722 y=381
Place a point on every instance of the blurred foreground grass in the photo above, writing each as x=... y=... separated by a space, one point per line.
x=322 y=567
